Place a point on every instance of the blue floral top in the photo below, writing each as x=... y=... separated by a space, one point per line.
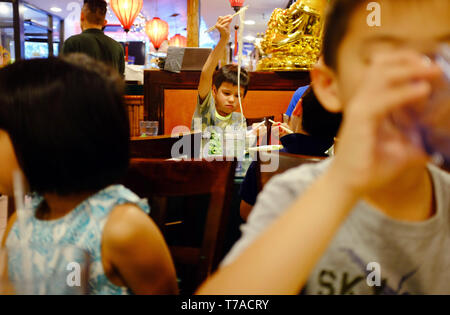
x=46 y=244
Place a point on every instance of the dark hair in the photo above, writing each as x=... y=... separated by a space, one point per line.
x=67 y=123
x=336 y=25
x=316 y=120
x=229 y=73
x=96 y=11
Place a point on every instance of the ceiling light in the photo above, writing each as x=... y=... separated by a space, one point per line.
x=250 y=38
x=55 y=9
x=4 y=9
x=249 y=22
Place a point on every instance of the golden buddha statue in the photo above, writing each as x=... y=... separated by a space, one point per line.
x=293 y=39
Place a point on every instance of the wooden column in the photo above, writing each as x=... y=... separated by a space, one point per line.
x=193 y=23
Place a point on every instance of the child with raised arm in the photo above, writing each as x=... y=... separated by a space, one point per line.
x=65 y=127
x=218 y=90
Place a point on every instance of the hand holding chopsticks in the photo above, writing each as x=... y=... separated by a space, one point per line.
x=281 y=126
x=232 y=16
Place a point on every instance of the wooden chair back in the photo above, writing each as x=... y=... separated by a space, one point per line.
x=160 y=147
x=195 y=241
x=286 y=161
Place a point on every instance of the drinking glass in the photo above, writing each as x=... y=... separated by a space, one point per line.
x=428 y=125
x=148 y=128
x=234 y=143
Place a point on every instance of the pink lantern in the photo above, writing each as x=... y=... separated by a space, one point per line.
x=126 y=11
x=178 y=41
x=157 y=31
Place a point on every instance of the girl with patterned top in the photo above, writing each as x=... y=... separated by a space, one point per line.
x=63 y=125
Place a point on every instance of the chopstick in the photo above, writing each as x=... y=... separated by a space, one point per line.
x=282 y=127
x=214 y=27
x=259 y=125
x=255 y=129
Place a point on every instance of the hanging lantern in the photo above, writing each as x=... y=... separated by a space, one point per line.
x=157 y=31
x=178 y=41
x=237 y=4
x=126 y=11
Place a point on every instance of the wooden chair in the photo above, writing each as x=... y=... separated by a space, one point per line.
x=286 y=161
x=268 y=124
x=160 y=147
x=135 y=108
x=176 y=192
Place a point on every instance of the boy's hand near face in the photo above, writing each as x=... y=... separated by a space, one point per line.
x=371 y=150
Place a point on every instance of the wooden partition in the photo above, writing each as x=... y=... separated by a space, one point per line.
x=135 y=108
x=170 y=98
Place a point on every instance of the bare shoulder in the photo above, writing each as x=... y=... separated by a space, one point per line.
x=135 y=253
x=127 y=223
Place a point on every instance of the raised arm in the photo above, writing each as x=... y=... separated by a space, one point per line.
x=311 y=221
x=223 y=26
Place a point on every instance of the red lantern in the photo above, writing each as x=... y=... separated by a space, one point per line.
x=126 y=11
x=237 y=4
x=178 y=41
x=157 y=31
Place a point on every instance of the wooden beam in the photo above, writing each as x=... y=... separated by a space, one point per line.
x=193 y=23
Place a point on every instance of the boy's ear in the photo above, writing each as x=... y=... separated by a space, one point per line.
x=214 y=91
x=325 y=87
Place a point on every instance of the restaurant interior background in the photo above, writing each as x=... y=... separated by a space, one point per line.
x=37 y=28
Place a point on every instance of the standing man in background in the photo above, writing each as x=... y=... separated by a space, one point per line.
x=92 y=41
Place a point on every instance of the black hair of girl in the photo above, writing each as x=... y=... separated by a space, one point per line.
x=67 y=123
x=316 y=120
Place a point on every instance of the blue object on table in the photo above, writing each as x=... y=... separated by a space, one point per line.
x=295 y=98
